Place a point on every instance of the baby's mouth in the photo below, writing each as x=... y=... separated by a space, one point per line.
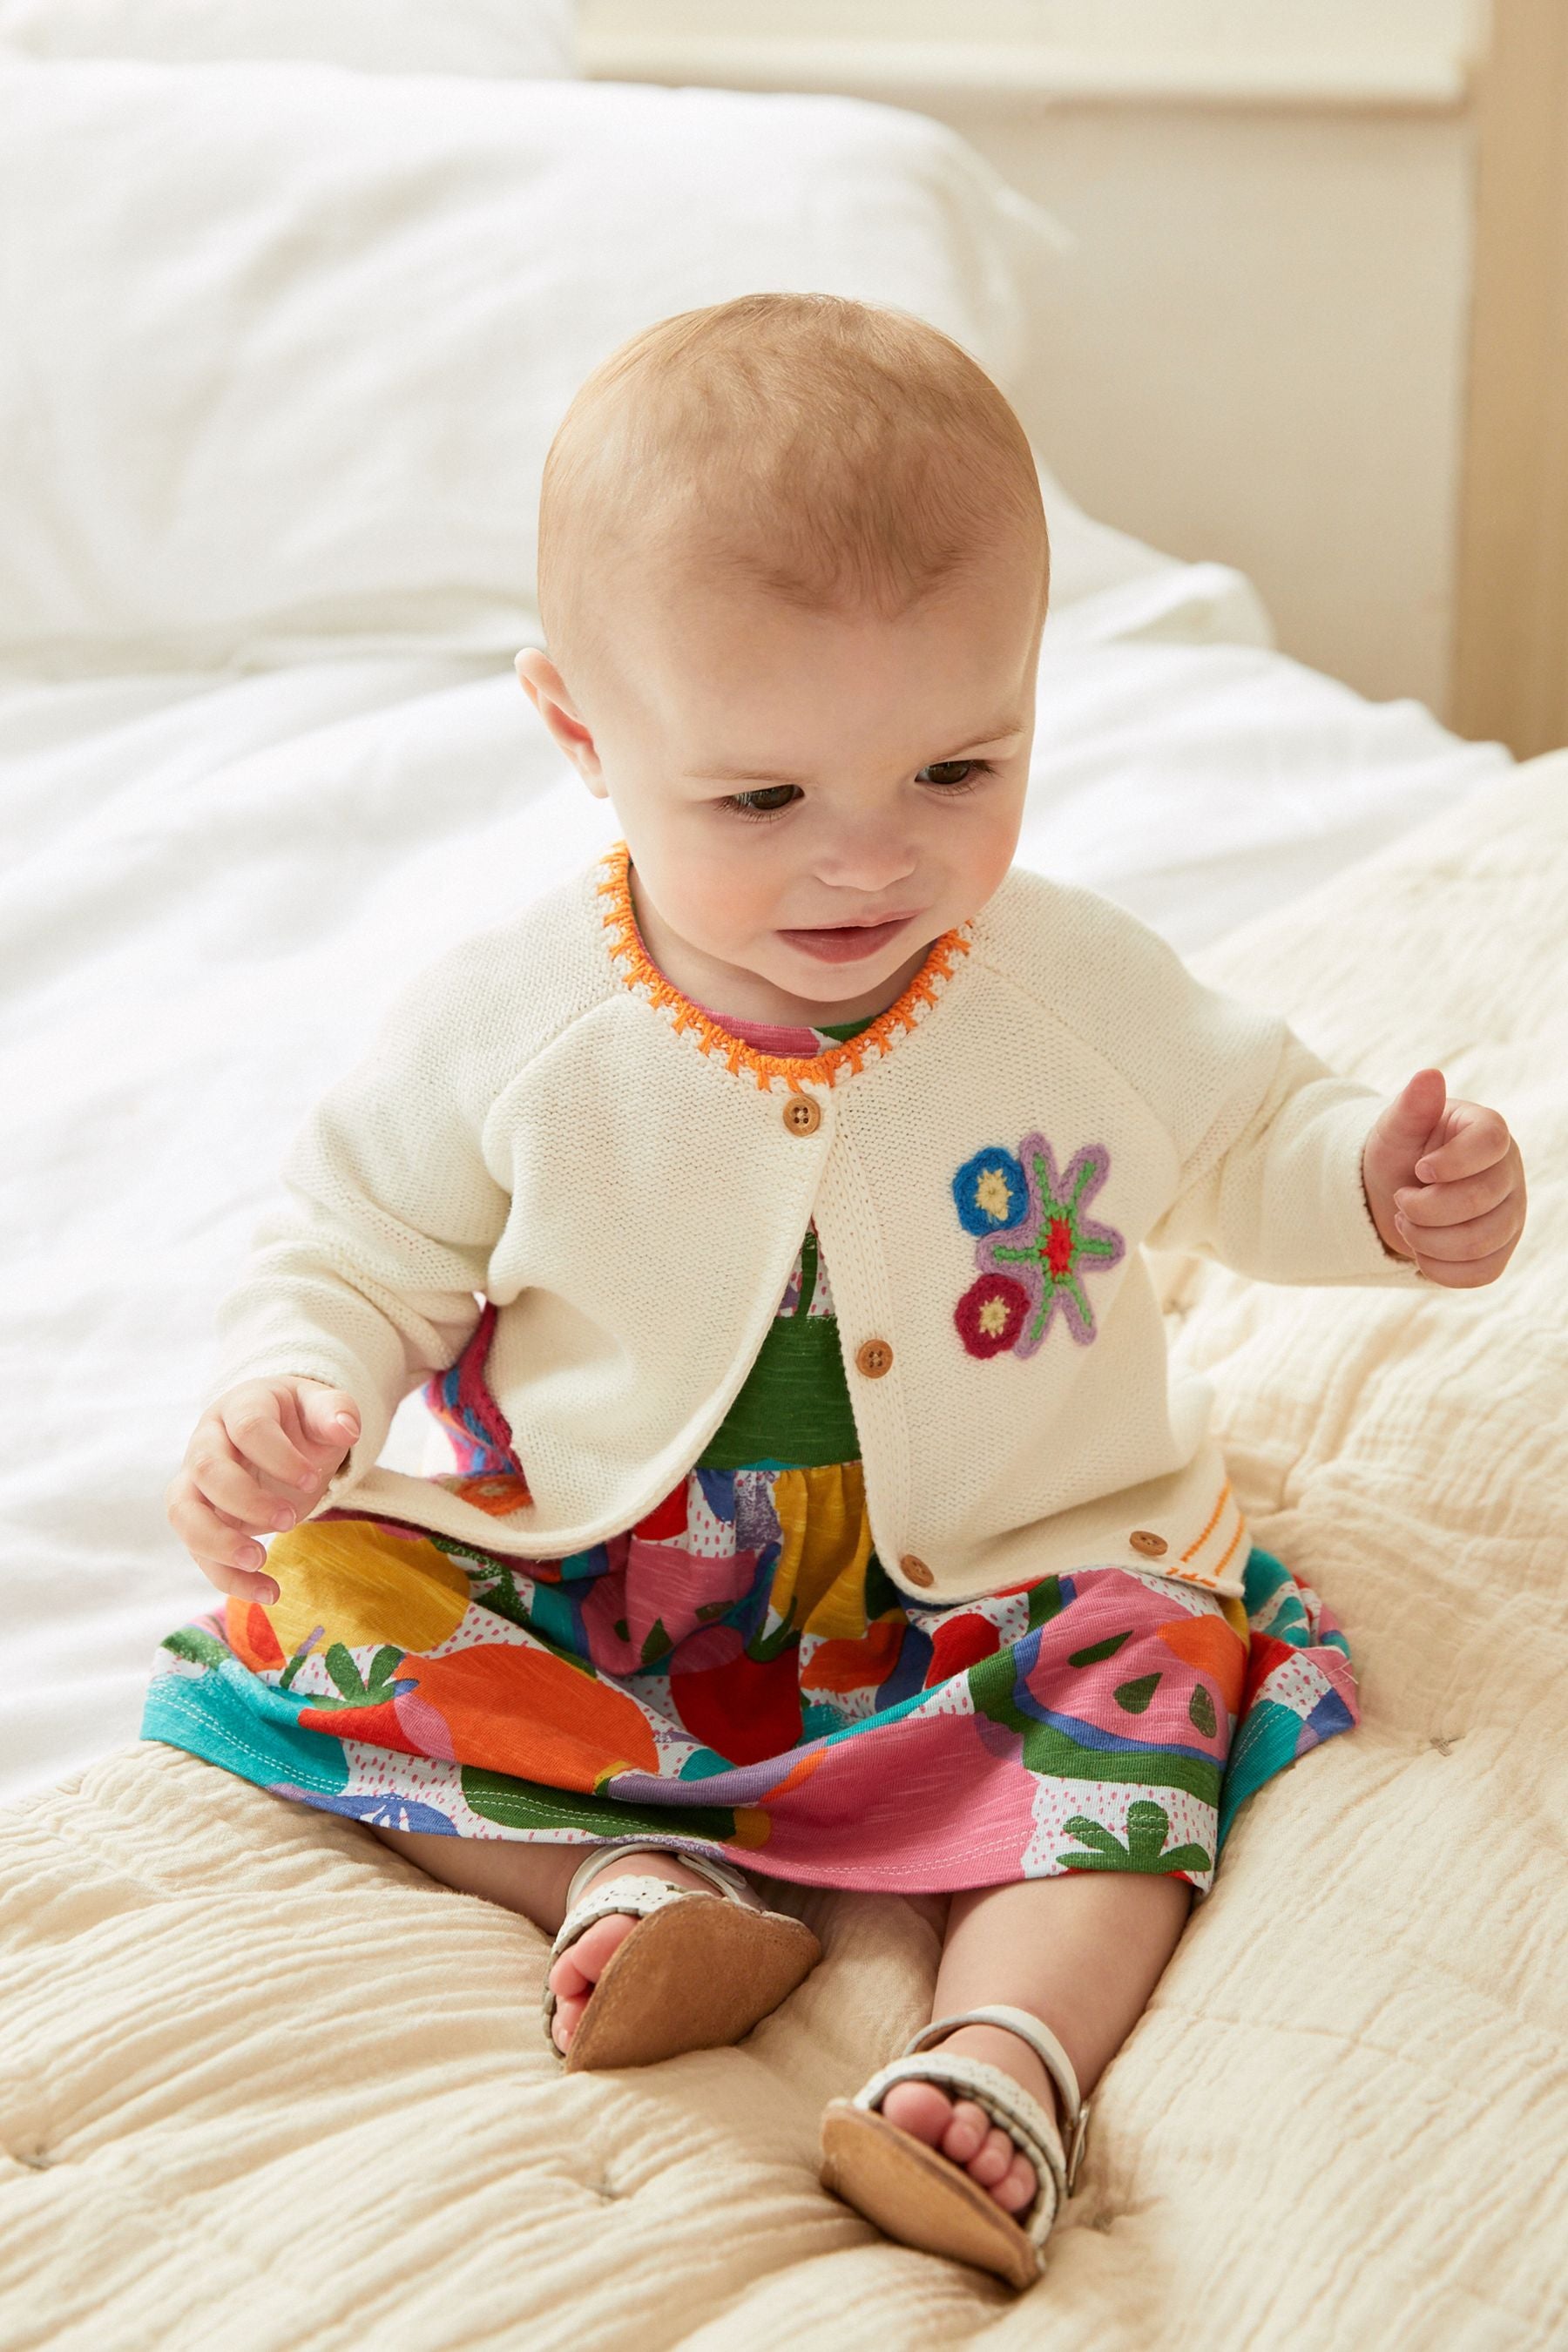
x=845 y=942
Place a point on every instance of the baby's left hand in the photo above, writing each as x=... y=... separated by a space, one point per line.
x=1444 y=1183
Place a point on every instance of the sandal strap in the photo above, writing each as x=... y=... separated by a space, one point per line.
x=639 y=1895
x=722 y=1874
x=1046 y=2048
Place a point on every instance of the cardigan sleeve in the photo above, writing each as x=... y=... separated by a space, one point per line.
x=1274 y=1189
x=1267 y=1139
x=365 y=1271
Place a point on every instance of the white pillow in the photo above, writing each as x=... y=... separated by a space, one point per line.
x=286 y=346
x=534 y=37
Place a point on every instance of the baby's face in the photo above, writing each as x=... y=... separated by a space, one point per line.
x=809 y=799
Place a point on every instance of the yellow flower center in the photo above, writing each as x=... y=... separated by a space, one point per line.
x=991 y=1193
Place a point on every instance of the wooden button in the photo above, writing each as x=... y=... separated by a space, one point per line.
x=802 y=1115
x=1152 y=1545
x=873 y=1357
x=915 y=1570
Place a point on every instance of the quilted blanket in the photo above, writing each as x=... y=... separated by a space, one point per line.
x=262 y=2084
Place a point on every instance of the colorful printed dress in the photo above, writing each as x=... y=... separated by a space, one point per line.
x=736 y=1675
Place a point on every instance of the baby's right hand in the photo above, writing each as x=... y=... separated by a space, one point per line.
x=259 y=1458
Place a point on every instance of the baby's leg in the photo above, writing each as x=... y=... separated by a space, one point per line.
x=1082 y=1952
x=533 y=1879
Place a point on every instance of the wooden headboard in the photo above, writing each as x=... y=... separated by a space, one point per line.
x=1300 y=332
x=1511 y=652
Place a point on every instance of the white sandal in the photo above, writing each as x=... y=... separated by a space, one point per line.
x=923 y=2198
x=693 y=1975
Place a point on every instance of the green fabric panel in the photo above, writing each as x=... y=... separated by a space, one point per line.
x=532 y=1805
x=793 y=1407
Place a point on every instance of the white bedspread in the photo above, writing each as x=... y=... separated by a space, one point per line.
x=263 y=2085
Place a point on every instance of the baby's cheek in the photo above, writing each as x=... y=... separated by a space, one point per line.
x=730 y=908
x=987 y=850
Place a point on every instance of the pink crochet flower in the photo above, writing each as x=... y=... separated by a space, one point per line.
x=990 y=1315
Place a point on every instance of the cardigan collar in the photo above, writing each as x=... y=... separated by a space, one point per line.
x=636 y=968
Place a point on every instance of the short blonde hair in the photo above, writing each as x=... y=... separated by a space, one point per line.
x=830 y=453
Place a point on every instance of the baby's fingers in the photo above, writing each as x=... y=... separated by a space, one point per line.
x=236 y=1583
x=250 y=1418
x=1454 y=1204
x=1477 y=1237
x=1468 y=1274
x=223 y=1552
x=1479 y=1139
x=230 y=1485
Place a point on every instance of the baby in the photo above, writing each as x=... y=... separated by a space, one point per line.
x=764 y=1213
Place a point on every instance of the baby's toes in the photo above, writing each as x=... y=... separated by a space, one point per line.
x=962 y=2131
x=583 y=1962
x=967 y=2134
x=1017 y=2185
x=568 y=2016
x=921 y=2109
x=993 y=2159
x=576 y=1971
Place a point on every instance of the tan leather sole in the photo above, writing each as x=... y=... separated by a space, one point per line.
x=694 y=1976
x=918 y=2196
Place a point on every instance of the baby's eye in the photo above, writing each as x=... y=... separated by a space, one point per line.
x=954 y=773
x=768 y=800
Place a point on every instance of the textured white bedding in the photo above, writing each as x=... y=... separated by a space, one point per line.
x=263 y=2085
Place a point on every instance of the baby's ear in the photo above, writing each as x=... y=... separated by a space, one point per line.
x=547 y=690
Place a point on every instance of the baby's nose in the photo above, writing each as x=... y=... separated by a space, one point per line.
x=871 y=858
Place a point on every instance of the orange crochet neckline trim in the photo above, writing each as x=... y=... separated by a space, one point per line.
x=636 y=968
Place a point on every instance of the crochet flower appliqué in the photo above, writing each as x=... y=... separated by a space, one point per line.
x=1034 y=1244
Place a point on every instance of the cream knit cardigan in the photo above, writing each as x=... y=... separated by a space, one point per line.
x=545 y=1119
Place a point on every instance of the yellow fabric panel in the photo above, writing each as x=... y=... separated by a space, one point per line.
x=362 y=1584
x=827 y=1544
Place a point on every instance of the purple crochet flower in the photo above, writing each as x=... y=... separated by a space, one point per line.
x=1054 y=1245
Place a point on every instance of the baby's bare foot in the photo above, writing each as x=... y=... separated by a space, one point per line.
x=961 y=2129
x=577 y=1971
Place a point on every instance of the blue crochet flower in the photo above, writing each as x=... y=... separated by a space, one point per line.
x=991 y=1192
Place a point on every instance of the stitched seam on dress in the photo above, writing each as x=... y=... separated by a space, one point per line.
x=725 y=1852
x=199 y=1716
x=743 y=1859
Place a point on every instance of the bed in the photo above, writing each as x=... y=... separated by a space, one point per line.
x=265 y=570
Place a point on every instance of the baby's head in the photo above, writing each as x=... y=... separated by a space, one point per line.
x=793 y=572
